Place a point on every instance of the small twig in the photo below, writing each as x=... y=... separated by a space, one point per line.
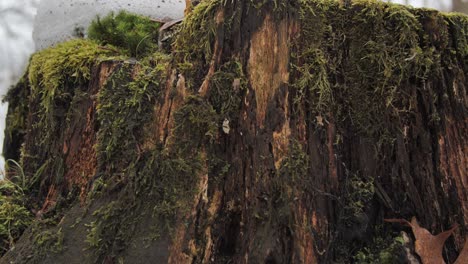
x=110 y=49
x=157 y=20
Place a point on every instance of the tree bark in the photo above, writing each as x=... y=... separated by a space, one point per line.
x=339 y=117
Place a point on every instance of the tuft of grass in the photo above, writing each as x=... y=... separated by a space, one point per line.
x=14 y=214
x=137 y=35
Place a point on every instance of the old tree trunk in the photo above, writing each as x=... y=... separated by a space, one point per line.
x=270 y=132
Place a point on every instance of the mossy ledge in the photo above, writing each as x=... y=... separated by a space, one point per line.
x=270 y=132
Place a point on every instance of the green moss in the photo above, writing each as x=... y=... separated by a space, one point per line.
x=383 y=250
x=14 y=216
x=277 y=6
x=48 y=241
x=313 y=81
x=137 y=35
x=166 y=176
x=291 y=182
x=16 y=119
x=55 y=76
x=355 y=63
x=359 y=193
x=294 y=168
x=218 y=168
x=195 y=122
x=113 y=228
x=125 y=105
x=168 y=180
x=226 y=89
x=52 y=69
x=458 y=24
x=93 y=234
x=195 y=42
x=174 y=187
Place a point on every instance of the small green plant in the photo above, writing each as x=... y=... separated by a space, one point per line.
x=92 y=237
x=360 y=192
x=136 y=34
x=14 y=216
x=17 y=177
x=384 y=251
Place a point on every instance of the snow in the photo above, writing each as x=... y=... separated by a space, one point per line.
x=16 y=19
x=442 y=5
x=57 y=20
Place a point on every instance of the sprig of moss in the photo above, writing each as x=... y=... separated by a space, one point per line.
x=195 y=122
x=386 y=250
x=227 y=87
x=137 y=35
x=194 y=43
x=14 y=216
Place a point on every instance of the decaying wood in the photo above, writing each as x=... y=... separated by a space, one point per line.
x=280 y=180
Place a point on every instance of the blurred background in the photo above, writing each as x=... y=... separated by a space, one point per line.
x=16 y=44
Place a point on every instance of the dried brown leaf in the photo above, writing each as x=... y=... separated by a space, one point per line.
x=428 y=247
x=463 y=257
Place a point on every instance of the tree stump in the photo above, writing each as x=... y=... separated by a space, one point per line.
x=338 y=117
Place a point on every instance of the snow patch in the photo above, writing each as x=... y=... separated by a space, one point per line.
x=57 y=20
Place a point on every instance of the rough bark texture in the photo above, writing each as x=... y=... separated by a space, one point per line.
x=339 y=116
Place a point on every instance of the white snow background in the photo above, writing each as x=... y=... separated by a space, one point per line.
x=57 y=17
x=57 y=20
x=16 y=45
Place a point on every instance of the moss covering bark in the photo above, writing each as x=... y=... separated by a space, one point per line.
x=273 y=132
